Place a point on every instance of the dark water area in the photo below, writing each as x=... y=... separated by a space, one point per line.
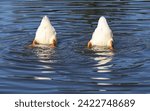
x=71 y=67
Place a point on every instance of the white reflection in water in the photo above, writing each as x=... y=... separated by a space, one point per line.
x=48 y=72
x=45 y=54
x=42 y=78
x=104 y=84
x=102 y=90
x=100 y=78
x=45 y=58
x=103 y=58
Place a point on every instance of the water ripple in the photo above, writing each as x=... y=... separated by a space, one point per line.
x=71 y=67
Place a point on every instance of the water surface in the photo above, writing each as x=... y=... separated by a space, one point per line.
x=71 y=67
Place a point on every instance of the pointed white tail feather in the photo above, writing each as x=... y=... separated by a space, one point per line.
x=45 y=33
x=102 y=34
x=102 y=23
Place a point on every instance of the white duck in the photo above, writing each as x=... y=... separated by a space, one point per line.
x=102 y=35
x=45 y=34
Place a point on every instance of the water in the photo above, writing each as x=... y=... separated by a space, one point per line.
x=71 y=67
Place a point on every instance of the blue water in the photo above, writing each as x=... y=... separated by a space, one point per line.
x=71 y=67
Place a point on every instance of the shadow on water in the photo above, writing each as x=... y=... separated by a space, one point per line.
x=71 y=67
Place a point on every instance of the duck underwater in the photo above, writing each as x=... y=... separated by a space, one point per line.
x=102 y=36
x=45 y=34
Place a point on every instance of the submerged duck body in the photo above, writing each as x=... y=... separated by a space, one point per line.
x=102 y=36
x=45 y=34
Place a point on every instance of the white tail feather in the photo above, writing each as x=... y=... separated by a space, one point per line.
x=45 y=33
x=102 y=34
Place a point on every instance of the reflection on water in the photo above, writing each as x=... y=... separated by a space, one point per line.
x=103 y=57
x=42 y=78
x=44 y=54
x=71 y=67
